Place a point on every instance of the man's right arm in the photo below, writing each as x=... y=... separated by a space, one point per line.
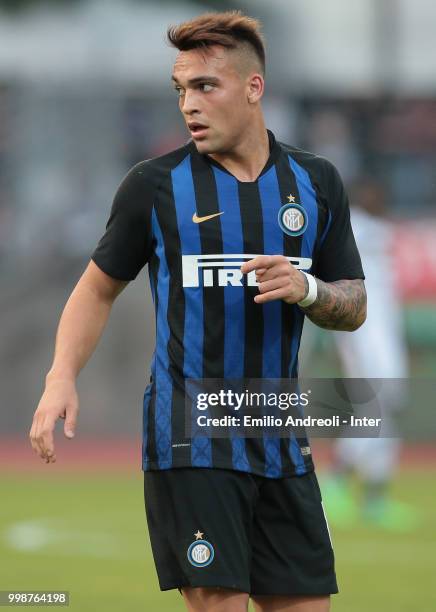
x=121 y=253
x=80 y=327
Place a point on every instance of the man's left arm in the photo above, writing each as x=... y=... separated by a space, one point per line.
x=339 y=305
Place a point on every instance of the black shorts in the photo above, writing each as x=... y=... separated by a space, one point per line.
x=212 y=527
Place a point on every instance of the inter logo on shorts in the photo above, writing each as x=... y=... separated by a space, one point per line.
x=201 y=552
x=292 y=219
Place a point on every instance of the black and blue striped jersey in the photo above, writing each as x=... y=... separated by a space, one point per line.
x=207 y=322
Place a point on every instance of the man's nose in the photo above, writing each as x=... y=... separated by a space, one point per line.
x=189 y=103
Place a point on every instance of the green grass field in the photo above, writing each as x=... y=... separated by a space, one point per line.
x=87 y=535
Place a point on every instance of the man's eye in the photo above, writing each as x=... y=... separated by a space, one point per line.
x=179 y=91
x=206 y=87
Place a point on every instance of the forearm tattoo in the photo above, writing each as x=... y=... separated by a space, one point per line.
x=339 y=305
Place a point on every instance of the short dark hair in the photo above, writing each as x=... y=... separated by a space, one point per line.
x=228 y=29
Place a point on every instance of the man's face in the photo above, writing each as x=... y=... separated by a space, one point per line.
x=212 y=97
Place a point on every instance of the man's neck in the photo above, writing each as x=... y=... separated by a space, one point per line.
x=247 y=160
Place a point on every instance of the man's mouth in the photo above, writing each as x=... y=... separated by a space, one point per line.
x=197 y=129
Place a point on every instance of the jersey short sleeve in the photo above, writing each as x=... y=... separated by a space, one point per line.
x=126 y=245
x=338 y=257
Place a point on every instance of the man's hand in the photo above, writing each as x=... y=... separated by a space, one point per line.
x=339 y=305
x=59 y=400
x=277 y=278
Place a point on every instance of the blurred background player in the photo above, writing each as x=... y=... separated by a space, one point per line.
x=376 y=350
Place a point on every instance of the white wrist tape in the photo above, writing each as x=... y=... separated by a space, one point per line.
x=312 y=293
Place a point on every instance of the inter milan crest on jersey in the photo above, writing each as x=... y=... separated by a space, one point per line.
x=200 y=552
x=292 y=218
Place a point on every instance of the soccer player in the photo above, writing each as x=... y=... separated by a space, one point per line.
x=244 y=236
x=378 y=349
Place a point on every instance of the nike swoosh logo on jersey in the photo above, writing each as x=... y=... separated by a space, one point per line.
x=206 y=218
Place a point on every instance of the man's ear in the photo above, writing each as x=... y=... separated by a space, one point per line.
x=256 y=86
